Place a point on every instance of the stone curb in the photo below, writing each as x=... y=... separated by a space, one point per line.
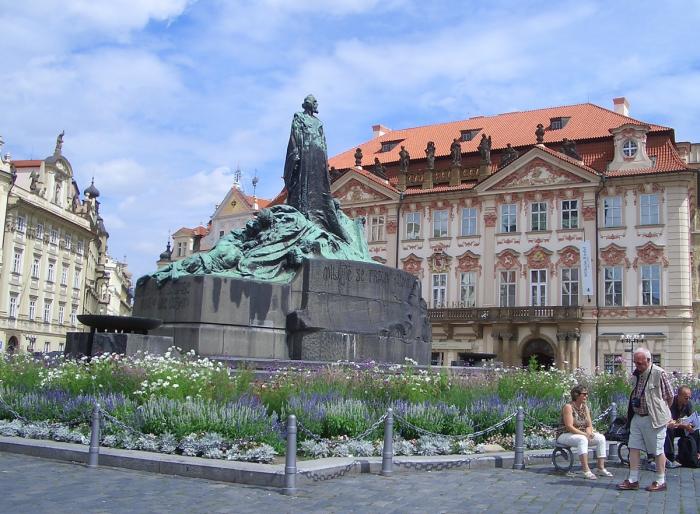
x=266 y=475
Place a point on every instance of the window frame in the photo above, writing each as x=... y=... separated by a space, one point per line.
x=467 y=289
x=507 y=216
x=607 y=283
x=438 y=290
x=651 y=282
x=13 y=305
x=630 y=147
x=539 y=217
x=573 y=213
x=572 y=284
x=377 y=224
x=509 y=287
x=615 y=221
x=47 y=313
x=539 y=298
x=470 y=221
x=408 y=222
x=17 y=260
x=653 y=214
x=51 y=272
x=438 y=221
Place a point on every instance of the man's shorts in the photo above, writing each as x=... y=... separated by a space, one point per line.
x=645 y=437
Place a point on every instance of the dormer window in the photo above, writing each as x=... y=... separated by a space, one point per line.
x=558 y=123
x=468 y=135
x=388 y=145
x=629 y=148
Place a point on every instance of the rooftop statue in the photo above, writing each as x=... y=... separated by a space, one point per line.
x=456 y=151
x=430 y=155
x=378 y=169
x=485 y=149
x=539 y=133
x=568 y=147
x=276 y=242
x=358 y=157
x=404 y=160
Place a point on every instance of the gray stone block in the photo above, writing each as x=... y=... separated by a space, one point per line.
x=77 y=343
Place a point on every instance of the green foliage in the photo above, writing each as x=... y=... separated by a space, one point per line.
x=21 y=371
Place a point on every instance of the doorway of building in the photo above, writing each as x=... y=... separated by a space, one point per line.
x=12 y=345
x=541 y=351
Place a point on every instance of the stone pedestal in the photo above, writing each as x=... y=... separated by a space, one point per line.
x=333 y=310
x=77 y=343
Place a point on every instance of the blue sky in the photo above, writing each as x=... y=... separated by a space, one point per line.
x=162 y=99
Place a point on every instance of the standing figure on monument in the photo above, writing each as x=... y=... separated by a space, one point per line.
x=456 y=151
x=404 y=160
x=358 y=157
x=485 y=149
x=306 y=170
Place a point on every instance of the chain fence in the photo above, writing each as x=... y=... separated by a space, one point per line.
x=473 y=435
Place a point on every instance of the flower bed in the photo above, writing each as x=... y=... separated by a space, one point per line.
x=199 y=407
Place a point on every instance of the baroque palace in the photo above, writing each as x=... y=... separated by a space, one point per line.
x=547 y=233
x=53 y=255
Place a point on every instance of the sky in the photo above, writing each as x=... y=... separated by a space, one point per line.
x=161 y=100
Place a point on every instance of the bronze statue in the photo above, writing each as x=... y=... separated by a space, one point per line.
x=485 y=149
x=539 y=133
x=456 y=151
x=306 y=170
x=430 y=155
x=358 y=157
x=378 y=169
x=404 y=160
x=568 y=147
x=509 y=155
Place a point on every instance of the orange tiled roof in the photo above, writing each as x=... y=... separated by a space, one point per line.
x=27 y=164
x=586 y=122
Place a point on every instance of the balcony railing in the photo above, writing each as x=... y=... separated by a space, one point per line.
x=503 y=314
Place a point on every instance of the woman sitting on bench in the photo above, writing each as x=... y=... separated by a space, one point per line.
x=576 y=431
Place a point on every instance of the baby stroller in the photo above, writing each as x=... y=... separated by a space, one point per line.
x=620 y=432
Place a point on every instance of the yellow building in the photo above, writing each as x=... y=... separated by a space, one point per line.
x=52 y=265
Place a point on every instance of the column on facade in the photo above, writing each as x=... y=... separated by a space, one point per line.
x=561 y=351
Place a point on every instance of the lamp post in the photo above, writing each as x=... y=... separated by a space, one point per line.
x=633 y=340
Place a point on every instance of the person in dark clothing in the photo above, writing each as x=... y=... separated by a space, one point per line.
x=680 y=408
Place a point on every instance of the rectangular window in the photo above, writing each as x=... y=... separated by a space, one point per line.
x=507 y=289
x=569 y=287
x=74 y=316
x=36 y=267
x=60 y=346
x=17 y=261
x=39 y=231
x=651 y=284
x=413 y=225
x=54 y=236
x=440 y=223
x=47 y=347
x=538 y=287
x=68 y=241
x=649 y=209
x=79 y=247
x=21 y=224
x=613 y=286
x=51 y=272
x=64 y=275
x=32 y=309
x=612 y=362
x=180 y=249
x=376 y=228
x=538 y=216
x=467 y=289
x=612 y=211
x=47 y=311
x=656 y=359
x=569 y=214
x=509 y=216
x=439 y=290
x=12 y=310
x=76 y=279
x=469 y=221
x=61 y=313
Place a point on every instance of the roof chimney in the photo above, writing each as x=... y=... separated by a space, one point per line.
x=622 y=106
x=379 y=130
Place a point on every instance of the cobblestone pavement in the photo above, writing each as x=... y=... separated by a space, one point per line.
x=34 y=485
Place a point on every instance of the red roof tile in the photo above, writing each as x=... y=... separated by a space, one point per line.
x=27 y=164
x=586 y=121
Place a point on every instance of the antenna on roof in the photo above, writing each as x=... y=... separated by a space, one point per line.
x=255 y=181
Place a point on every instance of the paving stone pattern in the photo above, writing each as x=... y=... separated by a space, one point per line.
x=34 y=485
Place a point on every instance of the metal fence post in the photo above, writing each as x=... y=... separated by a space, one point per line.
x=388 y=451
x=290 y=463
x=519 y=458
x=613 y=412
x=94 y=451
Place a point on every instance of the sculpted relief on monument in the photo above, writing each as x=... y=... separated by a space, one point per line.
x=538 y=173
